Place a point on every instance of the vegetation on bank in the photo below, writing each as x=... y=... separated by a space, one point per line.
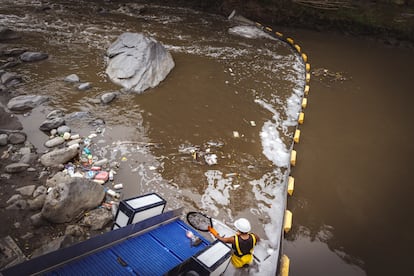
x=387 y=19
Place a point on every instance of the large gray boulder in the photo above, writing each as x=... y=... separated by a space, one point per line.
x=70 y=198
x=137 y=62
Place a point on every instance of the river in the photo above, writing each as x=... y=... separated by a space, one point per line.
x=235 y=92
x=352 y=204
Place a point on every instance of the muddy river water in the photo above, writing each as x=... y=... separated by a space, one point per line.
x=235 y=92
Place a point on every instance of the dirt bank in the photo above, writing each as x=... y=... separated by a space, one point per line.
x=389 y=21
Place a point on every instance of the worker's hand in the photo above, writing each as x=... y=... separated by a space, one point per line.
x=212 y=231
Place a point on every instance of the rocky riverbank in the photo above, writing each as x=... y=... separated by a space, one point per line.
x=52 y=199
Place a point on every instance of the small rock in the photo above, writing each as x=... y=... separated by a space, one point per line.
x=3 y=139
x=57 y=113
x=84 y=86
x=54 y=142
x=8 y=34
x=37 y=219
x=8 y=77
x=50 y=124
x=25 y=150
x=74 y=230
x=16 y=167
x=17 y=138
x=62 y=129
x=14 y=51
x=33 y=56
x=20 y=204
x=72 y=78
x=74 y=142
x=26 y=190
x=27 y=236
x=108 y=97
x=5 y=175
x=25 y=102
x=37 y=203
x=28 y=158
x=97 y=218
x=41 y=190
x=14 y=198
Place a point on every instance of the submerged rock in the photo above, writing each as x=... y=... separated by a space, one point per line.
x=33 y=56
x=137 y=62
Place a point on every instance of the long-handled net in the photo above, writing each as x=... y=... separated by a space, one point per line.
x=199 y=221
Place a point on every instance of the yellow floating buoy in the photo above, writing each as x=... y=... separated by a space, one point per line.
x=297 y=47
x=304 y=102
x=269 y=29
x=307 y=66
x=306 y=90
x=293 y=158
x=296 y=136
x=307 y=77
x=291 y=185
x=279 y=34
x=290 y=40
x=301 y=118
x=287 y=222
x=304 y=57
x=285 y=264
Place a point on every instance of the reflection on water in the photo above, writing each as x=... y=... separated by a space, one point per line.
x=309 y=248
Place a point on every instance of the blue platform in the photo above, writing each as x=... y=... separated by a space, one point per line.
x=148 y=248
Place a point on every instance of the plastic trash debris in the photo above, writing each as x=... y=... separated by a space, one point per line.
x=95 y=168
x=90 y=174
x=86 y=151
x=113 y=193
x=98 y=181
x=253 y=123
x=231 y=174
x=74 y=136
x=111 y=175
x=118 y=186
x=194 y=239
x=211 y=159
x=87 y=141
x=236 y=134
x=66 y=135
x=70 y=170
x=102 y=175
x=100 y=162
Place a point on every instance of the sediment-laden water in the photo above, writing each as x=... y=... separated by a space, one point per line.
x=234 y=92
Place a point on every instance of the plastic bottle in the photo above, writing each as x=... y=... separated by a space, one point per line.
x=112 y=193
x=118 y=186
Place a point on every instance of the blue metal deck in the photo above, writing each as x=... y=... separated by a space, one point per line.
x=153 y=253
x=152 y=247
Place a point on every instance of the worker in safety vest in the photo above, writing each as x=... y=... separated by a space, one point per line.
x=242 y=243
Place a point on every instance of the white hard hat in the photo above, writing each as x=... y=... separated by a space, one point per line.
x=243 y=225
